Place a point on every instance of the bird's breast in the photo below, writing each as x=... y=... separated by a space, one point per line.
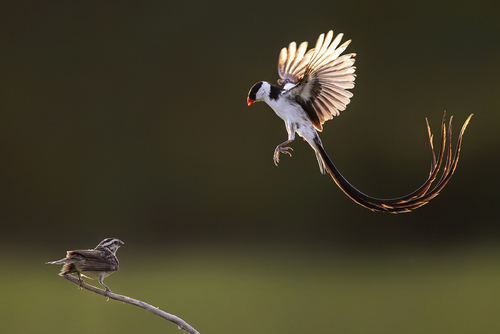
x=288 y=110
x=96 y=274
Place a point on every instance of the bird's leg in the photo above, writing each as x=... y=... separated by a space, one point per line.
x=102 y=283
x=81 y=281
x=282 y=148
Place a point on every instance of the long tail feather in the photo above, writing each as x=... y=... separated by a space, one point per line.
x=417 y=198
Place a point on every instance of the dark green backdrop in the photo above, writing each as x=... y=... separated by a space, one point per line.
x=129 y=119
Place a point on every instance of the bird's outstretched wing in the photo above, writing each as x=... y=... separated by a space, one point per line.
x=319 y=78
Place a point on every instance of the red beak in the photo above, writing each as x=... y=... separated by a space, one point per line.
x=250 y=101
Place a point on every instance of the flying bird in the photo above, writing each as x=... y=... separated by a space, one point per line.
x=97 y=263
x=315 y=87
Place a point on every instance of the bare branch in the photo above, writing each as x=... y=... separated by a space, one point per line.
x=167 y=316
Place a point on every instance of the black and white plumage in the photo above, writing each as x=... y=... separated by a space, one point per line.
x=97 y=263
x=314 y=88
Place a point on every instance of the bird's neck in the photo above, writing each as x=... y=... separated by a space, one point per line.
x=106 y=250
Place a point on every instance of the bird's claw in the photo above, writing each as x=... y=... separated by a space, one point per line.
x=106 y=293
x=281 y=149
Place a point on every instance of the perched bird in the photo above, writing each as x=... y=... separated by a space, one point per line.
x=97 y=263
x=314 y=88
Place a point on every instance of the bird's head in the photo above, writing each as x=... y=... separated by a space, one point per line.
x=110 y=244
x=257 y=92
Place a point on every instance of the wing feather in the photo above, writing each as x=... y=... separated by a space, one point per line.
x=298 y=57
x=320 y=77
x=95 y=261
x=98 y=265
x=292 y=63
x=292 y=49
x=331 y=94
x=282 y=61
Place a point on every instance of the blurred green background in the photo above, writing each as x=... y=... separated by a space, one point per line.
x=130 y=120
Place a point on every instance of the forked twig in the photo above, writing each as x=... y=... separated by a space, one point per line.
x=162 y=314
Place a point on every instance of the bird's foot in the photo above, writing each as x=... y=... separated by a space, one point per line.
x=106 y=287
x=281 y=149
x=106 y=293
